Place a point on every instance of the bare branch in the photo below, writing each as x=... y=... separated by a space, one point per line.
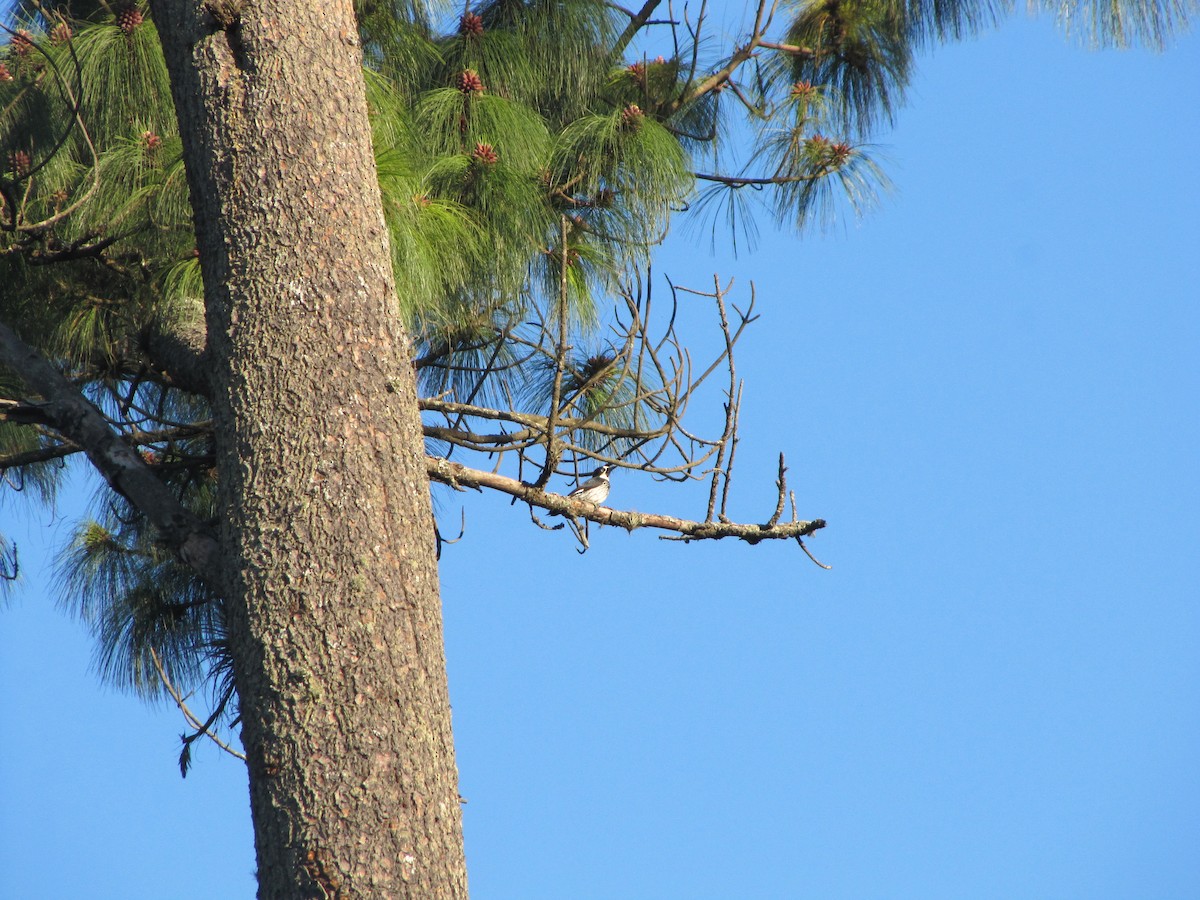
x=22 y=412
x=718 y=79
x=445 y=472
x=740 y=181
x=793 y=49
x=637 y=21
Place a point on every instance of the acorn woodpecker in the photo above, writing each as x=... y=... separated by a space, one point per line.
x=595 y=489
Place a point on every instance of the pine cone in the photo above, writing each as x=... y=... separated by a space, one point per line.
x=471 y=24
x=60 y=33
x=827 y=152
x=486 y=154
x=469 y=82
x=5 y=75
x=632 y=116
x=129 y=18
x=803 y=90
x=22 y=43
x=151 y=141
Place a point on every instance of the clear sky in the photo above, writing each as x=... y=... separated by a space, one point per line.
x=988 y=387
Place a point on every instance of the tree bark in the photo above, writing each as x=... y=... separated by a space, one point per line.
x=327 y=539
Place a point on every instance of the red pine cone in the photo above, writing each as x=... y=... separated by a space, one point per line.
x=632 y=116
x=129 y=18
x=471 y=24
x=486 y=154
x=150 y=140
x=827 y=151
x=803 y=90
x=60 y=33
x=5 y=75
x=469 y=82
x=22 y=43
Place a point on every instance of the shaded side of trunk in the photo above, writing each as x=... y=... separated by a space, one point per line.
x=327 y=532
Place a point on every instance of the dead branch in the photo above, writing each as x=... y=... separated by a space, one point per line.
x=444 y=471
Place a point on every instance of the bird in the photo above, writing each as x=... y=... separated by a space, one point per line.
x=595 y=489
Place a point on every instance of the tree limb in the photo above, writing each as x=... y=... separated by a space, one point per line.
x=459 y=476
x=637 y=21
x=181 y=355
x=80 y=422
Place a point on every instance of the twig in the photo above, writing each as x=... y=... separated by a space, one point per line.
x=780 y=483
x=192 y=719
x=441 y=540
x=800 y=541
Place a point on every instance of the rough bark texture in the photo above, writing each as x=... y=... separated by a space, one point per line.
x=326 y=530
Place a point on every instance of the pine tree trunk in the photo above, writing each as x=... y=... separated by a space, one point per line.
x=327 y=533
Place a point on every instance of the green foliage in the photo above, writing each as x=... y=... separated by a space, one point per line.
x=863 y=54
x=635 y=159
x=549 y=54
x=125 y=85
x=140 y=603
x=38 y=480
x=1122 y=23
x=138 y=600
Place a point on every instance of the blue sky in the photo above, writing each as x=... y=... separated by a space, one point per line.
x=988 y=387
